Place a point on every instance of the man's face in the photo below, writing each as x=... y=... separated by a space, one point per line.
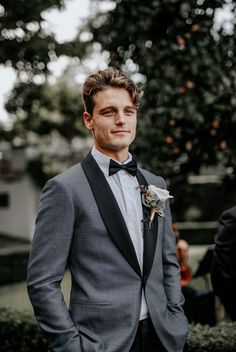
x=113 y=122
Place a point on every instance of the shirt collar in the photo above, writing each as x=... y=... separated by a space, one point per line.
x=103 y=160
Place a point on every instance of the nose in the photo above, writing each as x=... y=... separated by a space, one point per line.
x=120 y=118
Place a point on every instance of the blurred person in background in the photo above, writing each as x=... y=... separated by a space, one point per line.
x=223 y=272
x=199 y=305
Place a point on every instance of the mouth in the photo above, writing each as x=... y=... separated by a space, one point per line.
x=120 y=131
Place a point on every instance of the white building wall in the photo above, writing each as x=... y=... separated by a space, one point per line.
x=18 y=219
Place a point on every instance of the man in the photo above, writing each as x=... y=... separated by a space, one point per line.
x=223 y=272
x=126 y=294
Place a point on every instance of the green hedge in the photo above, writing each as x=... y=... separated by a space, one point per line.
x=219 y=338
x=20 y=333
x=13 y=267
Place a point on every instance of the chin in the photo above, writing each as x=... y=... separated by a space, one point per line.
x=122 y=146
x=123 y=143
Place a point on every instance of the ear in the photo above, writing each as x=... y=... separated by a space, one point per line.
x=88 y=121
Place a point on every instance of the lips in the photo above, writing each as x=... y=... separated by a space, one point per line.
x=121 y=131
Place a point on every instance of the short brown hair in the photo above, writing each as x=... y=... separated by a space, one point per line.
x=109 y=77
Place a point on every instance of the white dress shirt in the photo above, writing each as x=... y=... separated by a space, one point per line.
x=125 y=188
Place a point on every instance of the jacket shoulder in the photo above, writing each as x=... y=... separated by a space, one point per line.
x=69 y=177
x=228 y=218
x=153 y=179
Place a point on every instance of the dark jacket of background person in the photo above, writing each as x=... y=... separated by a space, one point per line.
x=223 y=274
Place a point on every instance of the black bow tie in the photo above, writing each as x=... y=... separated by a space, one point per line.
x=130 y=167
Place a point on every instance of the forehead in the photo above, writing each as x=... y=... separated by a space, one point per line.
x=117 y=97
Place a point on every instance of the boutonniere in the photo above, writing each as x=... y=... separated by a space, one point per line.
x=154 y=199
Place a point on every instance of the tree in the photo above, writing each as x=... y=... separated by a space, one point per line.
x=45 y=108
x=187 y=118
x=48 y=116
x=37 y=107
x=29 y=47
x=24 y=43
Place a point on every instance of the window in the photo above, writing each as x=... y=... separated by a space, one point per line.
x=4 y=200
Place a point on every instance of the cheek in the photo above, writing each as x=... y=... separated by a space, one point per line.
x=133 y=126
x=101 y=130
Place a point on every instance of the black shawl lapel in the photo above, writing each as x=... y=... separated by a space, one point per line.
x=149 y=235
x=110 y=211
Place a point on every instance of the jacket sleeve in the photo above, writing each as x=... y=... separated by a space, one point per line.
x=171 y=269
x=46 y=267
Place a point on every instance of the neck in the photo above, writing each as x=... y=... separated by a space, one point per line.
x=120 y=156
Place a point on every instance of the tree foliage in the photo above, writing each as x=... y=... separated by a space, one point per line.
x=28 y=46
x=45 y=108
x=41 y=111
x=25 y=44
x=187 y=118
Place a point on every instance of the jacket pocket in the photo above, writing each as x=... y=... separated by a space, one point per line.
x=174 y=308
x=89 y=341
x=89 y=303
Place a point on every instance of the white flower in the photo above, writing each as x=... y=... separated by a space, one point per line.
x=154 y=198
x=162 y=194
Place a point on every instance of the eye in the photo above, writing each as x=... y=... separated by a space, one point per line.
x=129 y=112
x=108 y=113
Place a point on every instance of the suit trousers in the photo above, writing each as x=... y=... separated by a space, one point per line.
x=146 y=339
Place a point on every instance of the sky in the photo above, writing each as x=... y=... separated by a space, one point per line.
x=65 y=25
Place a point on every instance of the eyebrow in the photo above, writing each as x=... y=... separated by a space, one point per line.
x=111 y=107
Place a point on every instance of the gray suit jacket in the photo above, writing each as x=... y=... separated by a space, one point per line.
x=79 y=224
